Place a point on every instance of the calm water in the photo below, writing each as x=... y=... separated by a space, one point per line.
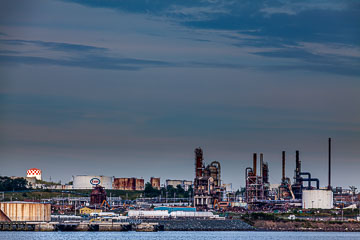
x=179 y=235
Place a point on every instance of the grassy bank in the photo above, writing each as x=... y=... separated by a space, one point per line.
x=38 y=194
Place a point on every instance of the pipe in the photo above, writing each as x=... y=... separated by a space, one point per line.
x=329 y=175
x=254 y=163
x=283 y=167
x=312 y=180
x=217 y=165
x=309 y=177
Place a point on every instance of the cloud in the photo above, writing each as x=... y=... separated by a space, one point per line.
x=54 y=46
x=295 y=7
x=84 y=56
x=309 y=61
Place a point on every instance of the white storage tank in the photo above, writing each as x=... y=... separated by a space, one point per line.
x=88 y=182
x=34 y=173
x=318 y=198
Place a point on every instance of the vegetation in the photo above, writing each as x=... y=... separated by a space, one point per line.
x=47 y=183
x=8 y=184
x=169 y=192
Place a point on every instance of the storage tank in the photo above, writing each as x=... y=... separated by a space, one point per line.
x=318 y=198
x=88 y=182
x=34 y=173
x=155 y=183
x=26 y=211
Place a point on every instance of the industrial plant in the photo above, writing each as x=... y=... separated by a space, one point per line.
x=96 y=198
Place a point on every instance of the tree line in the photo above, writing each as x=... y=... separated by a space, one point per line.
x=169 y=191
x=9 y=184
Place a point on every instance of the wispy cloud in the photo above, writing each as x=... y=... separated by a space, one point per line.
x=54 y=46
x=84 y=56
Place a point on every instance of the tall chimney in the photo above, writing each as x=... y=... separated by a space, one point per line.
x=297 y=166
x=261 y=164
x=329 y=176
x=254 y=163
x=198 y=162
x=283 y=166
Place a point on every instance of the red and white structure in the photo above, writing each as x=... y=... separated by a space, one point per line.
x=34 y=172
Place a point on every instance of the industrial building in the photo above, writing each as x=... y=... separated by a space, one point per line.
x=185 y=184
x=257 y=186
x=26 y=211
x=155 y=183
x=98 y=196
x=89 y=182
x=175 y=214
x=129 y=184
x=207 y=182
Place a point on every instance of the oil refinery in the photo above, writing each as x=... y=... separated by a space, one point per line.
x=97 y=198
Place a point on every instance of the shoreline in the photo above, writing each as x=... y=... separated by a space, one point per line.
x=188 y=225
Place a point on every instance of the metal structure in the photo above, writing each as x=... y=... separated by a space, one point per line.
x=207 y=182
x=329 y=174
x=129 y=184
x=298 y=185
x=285 y=191
x=257 y=186
x=97 y=196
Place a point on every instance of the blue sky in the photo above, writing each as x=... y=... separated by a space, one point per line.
x=130 y=88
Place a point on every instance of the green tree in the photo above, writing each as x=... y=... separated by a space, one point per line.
x=180 y=191
x=150 y=191
x=8 y=184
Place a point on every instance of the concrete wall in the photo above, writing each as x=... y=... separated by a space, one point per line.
x=25 y=211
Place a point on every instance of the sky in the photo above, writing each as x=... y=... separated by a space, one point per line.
x=130 y=88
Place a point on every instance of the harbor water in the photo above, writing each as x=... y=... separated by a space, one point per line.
x=179 y=235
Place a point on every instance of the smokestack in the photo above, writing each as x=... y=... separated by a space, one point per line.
x=283 y=166
x=261 y=164
x=297 y=165
x=198 y=162
x=254 y=163
x=329 y=176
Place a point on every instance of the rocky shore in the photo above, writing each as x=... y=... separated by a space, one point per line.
x=204 y=225
x=306 y=226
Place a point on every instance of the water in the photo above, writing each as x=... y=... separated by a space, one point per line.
x=180 y=235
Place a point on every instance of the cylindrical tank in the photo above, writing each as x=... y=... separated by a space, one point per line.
x=88 y=182
x=26 y=211
x=34 y=173
x=317 y=198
